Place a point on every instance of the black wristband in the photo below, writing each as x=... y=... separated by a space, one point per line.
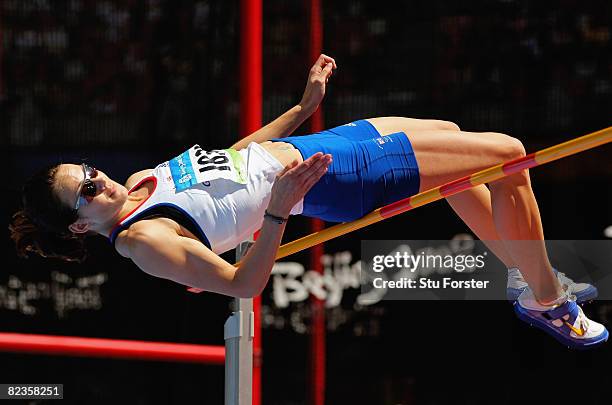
x=278 y=220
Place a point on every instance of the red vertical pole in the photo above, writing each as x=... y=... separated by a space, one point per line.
x=1 y=58
x=250 y=66
x=250 y=121
x=317 y=336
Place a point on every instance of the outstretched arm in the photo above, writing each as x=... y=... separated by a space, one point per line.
x=288 y=122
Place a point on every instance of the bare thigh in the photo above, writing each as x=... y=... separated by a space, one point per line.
x=444 y=155
x=413 y=124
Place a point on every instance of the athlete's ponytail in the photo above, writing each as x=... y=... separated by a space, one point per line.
x=41 y=227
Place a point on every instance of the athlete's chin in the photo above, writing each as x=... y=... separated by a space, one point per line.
x=118 y=194
x=116 y=200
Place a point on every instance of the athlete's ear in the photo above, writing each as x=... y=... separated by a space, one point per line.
x=79 y=226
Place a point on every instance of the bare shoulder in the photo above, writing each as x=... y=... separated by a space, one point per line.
x=136 y=177
x=141 y=234
x=150 y=243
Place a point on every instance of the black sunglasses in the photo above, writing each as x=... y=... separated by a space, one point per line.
x=87 y=188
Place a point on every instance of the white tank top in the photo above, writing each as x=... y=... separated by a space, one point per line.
x=221 y=193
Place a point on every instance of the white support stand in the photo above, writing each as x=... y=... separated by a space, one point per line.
x=239 y=331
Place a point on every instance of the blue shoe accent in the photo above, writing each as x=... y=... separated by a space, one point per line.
x=512 y=294
x=565 y=315
x=586 y=295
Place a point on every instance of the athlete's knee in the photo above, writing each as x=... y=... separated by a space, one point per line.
x=516 y=149
x=508 y=147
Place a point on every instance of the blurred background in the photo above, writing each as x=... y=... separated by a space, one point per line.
x=126 y=84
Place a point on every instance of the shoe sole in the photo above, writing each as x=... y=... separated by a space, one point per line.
x=525 y=316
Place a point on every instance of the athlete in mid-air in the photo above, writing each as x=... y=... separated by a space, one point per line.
x=173 y=221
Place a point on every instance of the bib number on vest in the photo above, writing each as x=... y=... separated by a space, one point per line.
x=196 y=166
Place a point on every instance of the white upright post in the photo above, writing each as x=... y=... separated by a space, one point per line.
x=239 y=331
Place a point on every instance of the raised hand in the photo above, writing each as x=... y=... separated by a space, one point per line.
x=318 y=77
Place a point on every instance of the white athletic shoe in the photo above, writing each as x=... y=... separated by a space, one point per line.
x=582 y=291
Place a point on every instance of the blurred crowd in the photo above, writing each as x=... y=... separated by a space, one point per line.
x=97 y=71
x=532 y=67
x=114 y=72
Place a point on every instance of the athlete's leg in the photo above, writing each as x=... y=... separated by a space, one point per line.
x=445 y=155
x=412 y=124
x=473 y=206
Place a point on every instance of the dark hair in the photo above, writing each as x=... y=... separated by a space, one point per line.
x=41 y=226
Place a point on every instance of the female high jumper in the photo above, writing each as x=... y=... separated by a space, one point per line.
x=174 y=221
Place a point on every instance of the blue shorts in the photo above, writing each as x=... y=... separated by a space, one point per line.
x=368 y=171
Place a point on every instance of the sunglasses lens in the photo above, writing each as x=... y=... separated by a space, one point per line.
x=89 y=189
